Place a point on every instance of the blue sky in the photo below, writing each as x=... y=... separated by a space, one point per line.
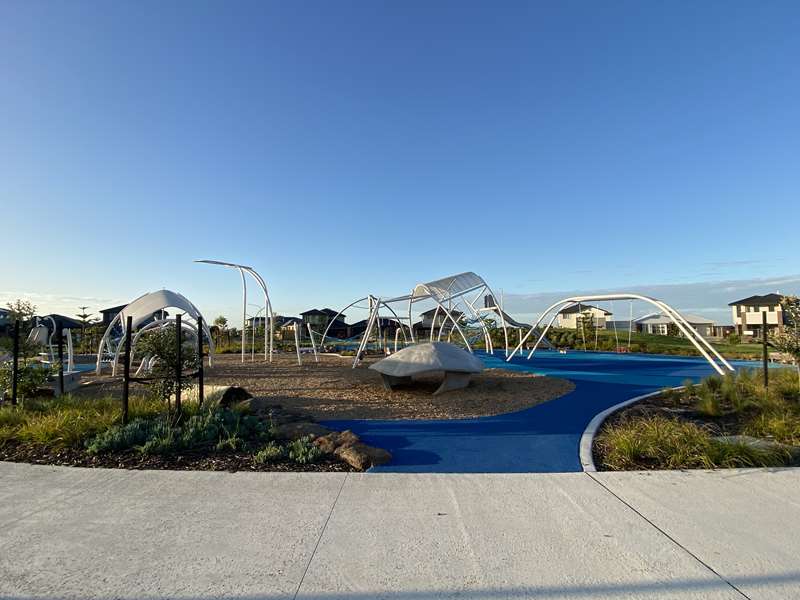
x=348 y=147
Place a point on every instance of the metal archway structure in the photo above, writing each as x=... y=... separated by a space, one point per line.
x=268 y=330
x=715 y=359
x=447 y=294
x=141 y=310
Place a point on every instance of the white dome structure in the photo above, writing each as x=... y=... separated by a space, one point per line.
x=142 y=310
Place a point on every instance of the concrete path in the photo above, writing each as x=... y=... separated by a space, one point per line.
x=82 y=533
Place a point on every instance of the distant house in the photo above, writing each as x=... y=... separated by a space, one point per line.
x=320 y=319
x=433 y=320
x=64 y=322
x=109 y=314
x=388 y=327
x=286 y=326
x=570 y=317
x=747 y=314
x=658 y=324
x=5 y=322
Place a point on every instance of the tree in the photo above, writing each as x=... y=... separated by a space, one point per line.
x=788 y=340
x=85 y=322
x=220 y=323
x=672 y=330
x=21 y=310
x=160 y=344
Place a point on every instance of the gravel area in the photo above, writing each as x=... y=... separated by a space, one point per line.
x=331 y=389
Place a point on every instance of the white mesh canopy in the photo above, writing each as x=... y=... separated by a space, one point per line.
x=143 y=307
x=450 y=287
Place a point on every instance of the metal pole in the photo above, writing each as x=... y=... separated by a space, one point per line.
x=244 y=312
x=15 y=365
x=60 y=341
x=126 y=369
x=200 y=356
x=766 y=353
x=178 y=364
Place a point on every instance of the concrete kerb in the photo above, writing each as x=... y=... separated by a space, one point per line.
x=587 y=438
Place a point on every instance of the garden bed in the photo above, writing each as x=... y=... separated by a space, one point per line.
x=242 y=436
x=730 y=421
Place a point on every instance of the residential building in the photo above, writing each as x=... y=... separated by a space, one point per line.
x=658 y=324
x=320 y=319
x=748 y=313
x=5 y=322
x=570 y=317
x=433 y=320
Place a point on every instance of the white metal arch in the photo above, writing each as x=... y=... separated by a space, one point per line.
x=141 y=309
x=269 y=330
x=718 y=362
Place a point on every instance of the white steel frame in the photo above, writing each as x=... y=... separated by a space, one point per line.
x=718 y=362
x=445 y=293
x=268 y=331
x=190 y=310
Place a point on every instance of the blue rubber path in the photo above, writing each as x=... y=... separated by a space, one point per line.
x=541 y=439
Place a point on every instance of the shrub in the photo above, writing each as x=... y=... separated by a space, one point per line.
x=303 y=451
x=122 y=437
x=269 y=453
x=161 y=344
x=30 y=377
x=660 y=443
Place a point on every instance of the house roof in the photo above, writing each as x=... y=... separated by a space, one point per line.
x=581 y=308
x=441 y=312
x=325 y=311
x=658 y=319
x=65 y=322
x=765 y=300
x=114 y=309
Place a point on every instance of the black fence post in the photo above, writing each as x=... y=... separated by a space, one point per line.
x=200 y=366
x=766 y=353
x=15 y=365
x=60 y=342
x=178 y=364
x=126 y=370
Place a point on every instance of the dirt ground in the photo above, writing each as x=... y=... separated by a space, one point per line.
x=331 y=389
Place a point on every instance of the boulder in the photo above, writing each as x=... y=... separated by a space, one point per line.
x=296 y=430
x=361 y=456
x=457 y=364
x=336 y=439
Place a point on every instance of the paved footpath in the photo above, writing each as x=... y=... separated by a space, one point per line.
x=94 y=533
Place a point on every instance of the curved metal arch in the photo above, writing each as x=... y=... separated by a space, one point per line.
x=268 y=331
x=697 y=340
x=339 y=314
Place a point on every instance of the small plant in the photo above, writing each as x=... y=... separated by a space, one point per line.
x=303 y=451
x=122 y=437
x=161 y=345
x=272 y=452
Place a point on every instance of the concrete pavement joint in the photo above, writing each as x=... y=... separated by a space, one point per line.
x=319 y=539
x=668 y=536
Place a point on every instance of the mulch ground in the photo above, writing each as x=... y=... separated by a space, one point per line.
x=199 y=461
x=332 y=389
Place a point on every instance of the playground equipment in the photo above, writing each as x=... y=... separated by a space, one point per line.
x=42 y=335
x=141 y=311
x=452 y=298
x=708 y=352
x=268 y=330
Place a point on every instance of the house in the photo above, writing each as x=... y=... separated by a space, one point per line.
x=110 y=313
x=748 y=313
x=433 y=320
x=64 y=322
x=320 y=319
x=5 y=322
x=570 y=317
x=387 y=326
x=286 y=326
x=658 y=324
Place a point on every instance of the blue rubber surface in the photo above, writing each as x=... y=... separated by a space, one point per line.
x=543 y=438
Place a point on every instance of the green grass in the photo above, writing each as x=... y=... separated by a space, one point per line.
x=67 y=421
x=739 y=400
x=661 y=443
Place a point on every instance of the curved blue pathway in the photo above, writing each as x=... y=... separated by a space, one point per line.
x=543 y=438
